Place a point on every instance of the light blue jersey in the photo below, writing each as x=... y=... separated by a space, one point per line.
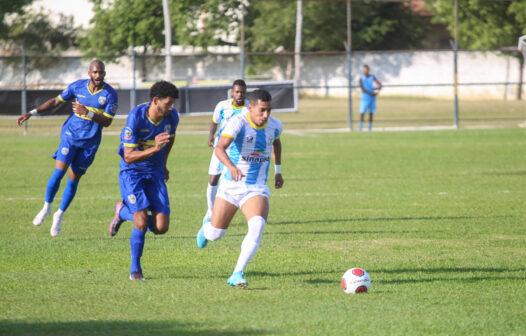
x=251 y=149
x=225 y=110
x=368 y=84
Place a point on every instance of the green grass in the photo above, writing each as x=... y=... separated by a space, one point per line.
x=437 y=219
x=328 y=113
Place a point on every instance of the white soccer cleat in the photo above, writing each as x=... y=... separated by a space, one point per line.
x=39 y=218
x=57 y=224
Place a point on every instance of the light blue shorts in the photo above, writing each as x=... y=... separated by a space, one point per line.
x=369 y=104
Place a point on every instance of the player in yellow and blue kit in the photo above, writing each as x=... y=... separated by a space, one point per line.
x=245 y=147
x=94 y=106
x=146 y=142
x=369 y=93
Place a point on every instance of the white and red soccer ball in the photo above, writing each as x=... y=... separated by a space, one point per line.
x=356 y=280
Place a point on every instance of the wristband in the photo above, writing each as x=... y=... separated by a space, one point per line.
x=33 y=112
x=277 y=169
x=90 y=114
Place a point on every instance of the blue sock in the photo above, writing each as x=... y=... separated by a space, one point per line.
x=53 y=184
x=125 y=213
x=137 y=245
x=361 y=125
x=69 y=194
x=370 y=125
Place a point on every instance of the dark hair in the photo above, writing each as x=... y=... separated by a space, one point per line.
x=239 y=82
x=259 y=94
x=163 y=89
x=366 y=66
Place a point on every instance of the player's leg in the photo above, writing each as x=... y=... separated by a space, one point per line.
x=82 y=158
x=363 y=110
x=256 y=210
x=51 y=190
x=214 y=171
x=122 y=208
x=137 y=240
x=215 y=227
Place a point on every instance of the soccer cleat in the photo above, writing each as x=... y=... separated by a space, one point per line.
x=39 y=218
x=117 y=221
x=201 y=239
x=236 y=279
x=57 y=224
x=137 y=275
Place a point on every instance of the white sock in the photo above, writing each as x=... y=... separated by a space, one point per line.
x=47 y=207
x=211 y=192
x=251 y=242
x=212 y=233
x=58 y=213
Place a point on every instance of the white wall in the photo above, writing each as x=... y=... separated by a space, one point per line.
x=391 y=68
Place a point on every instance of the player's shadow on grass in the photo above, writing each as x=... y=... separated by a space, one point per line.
x=19 y=327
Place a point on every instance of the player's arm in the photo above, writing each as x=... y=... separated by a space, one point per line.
x=378 y=84
x=48 y=105
x=133 y=156
x=213 y=129
x=276 y=155
x=220 y=152
x=98 y=118
x=169 y=146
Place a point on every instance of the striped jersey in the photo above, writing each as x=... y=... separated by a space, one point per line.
x=251 y=148
x=104 y=102
x=140 y=132
x=368 y=84
x=225 y=110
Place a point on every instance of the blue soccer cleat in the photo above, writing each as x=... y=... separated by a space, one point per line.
x=236 y=279
x=201 y=239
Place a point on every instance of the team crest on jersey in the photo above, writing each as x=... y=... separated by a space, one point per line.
x=114 y=108
x=127 y=133
x=65 y=150
x=167 y=128
x=249 y=139
x=102 y=100
x=132 y=199
x=270 y=140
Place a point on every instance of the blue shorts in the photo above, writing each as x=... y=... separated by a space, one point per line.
x=78 y=156
x=144 y=191
x=369 y=104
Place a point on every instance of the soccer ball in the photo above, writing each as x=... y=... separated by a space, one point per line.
x=356 y=280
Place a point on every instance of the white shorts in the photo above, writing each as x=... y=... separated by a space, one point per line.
x=215 y=165
x=239 y=194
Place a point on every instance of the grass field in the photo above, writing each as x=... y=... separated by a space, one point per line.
x=438 y=219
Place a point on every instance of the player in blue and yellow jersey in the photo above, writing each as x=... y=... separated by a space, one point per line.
x=369 y=93
x=224 y=110
x=146 y=142
x=94 y=106
x=245 y=147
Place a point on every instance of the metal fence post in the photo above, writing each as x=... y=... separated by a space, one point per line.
x=23 y=104
x=133 y=93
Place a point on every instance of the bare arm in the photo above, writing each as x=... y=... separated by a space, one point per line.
x=132 y=156
x=213 y=129
x=276 y=155
x=220 y=152
x=378 y=84
x=98 y=118
x=48 y=105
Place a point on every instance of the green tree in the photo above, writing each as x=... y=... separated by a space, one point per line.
x=8 y=7
x=484 y=24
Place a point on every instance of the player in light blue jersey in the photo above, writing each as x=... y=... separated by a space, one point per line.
x=369 y=93
x=94 y=106
x=224 y=111
x=146 y=142
x=245 y=147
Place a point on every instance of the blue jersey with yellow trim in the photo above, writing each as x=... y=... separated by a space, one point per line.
x=80 y=127
x=225 y=110
x=251 y=148
x=140 y=132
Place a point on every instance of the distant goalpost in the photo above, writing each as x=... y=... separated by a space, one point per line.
x=522 y=48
